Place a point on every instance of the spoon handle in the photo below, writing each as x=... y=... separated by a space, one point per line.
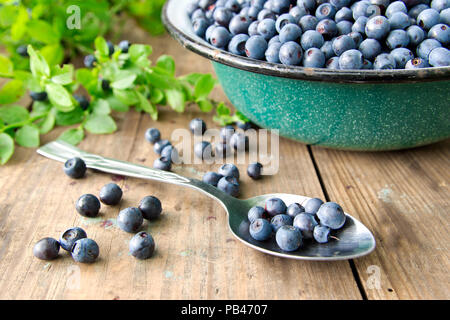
x=62 y=151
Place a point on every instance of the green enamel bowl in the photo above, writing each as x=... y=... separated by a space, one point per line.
x=363 y=110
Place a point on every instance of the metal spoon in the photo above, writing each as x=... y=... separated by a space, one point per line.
x=353 y=240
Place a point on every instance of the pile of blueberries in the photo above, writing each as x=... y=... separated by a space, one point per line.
x=75 y=240
x=294 y=224
x=333 y=34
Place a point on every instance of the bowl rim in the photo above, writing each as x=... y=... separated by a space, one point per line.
x=201 y=47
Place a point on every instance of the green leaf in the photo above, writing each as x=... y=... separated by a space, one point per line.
x=192 y=78
x=53 y=53
x=166 y=63
x=176 y=99
x=59 y=97
x=125 y=81
x=13 y=114
x=46 y=125
x=38 y=65
x=147 y=106
x=72 y=136
x=205 y=105
x=69 y=118
x=204 y=86
x=42 y=31
x=64 y=75
x=12 y=91
x=87 y=78
x=116 y=104
x=6 y=67
x=19 y=28
x=127 y=97
x=6 y=147
x=101 y=106
x=28 y=136
x=100 y=124
x=102 y=46
x=139 y=54
x=40 y=108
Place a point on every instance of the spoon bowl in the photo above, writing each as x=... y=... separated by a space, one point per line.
x=352 y=241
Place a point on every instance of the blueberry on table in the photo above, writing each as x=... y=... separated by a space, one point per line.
x=163 y=163
x=160 y=145
x=254 y=170
x=331 y=215
x=171 y=153
x=226 y=133
x=239 y=141
x=152 y=135
x=229 y=170
x=46 y=249
x=260 y=229
x=306 y=223
x=275 y=206
x=124 y=46
x=255 y=213
x=130 y=219
x=197 y=126
x=111 y=194
x=294 y=209
x=70 y=236
x=230 y=186
x=22 y=51
x=439 y=57
x=150 y=207
x=89 y=61
x=321 y=234
x=85 y=250
x=203 y=150
x=313 y=205
x=88 y=206
x=83 y=101
x=280 y=220
x=142 y=245
x=289 y=238
x=38 y=96
x=212 y=178
x=75 y=168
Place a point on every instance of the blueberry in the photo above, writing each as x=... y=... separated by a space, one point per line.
x=291 y=53
x=332 y=63
x=342 y=44
x=85 y=250
x=370 y=48
x=275 y=206
x=203 y=150
x=105 y=85
x=142 y=245
x=239 y=141
x=428 y=18
x=75 y=168
x=150 y=207
x=255 y=47
x=46 y=249
x=226 y=133
x=239 y=24
x=425 y=47
x=22 y=51
x=253 y=12
x=38 y=96
x=298 y=12
x=377 y=27
x=88 y=205
x=399 y=20
x=275 y=39
x=327 y=49
x=266 y=14
x=163 y=163
x=160 y=145
x=197 y=126
x=311 y=39
x=254 y=170
x=339 y=4
x=273 y=52
x=325 y=11
x=280 y=220
x=130 y=219
x=331 y=215
x=343 y=14
x=344 y=27
x=267 y=29
x=89 y=61
x=397 y=6
x=212 y=178
x=360 y=24
x=233 y=5
x=152 y=135
x=229 y=185
x=307 y=4
x=171 y=153
x=229 y=170
x=283 y=20
x=69 y=237
x=222 y=16
x=280 y=6
x=357 y=38
x=441 y=33
x=384 y=61
x=111 y=194
x=289 y=238
x=440 y=5
x=308 y=22
x=111 y=48
x=253 y=29
x=198 y=14
x=244 y=125
x=321 y=234
x=83 y=101
x=327 y=28
x=124 y=46
x=313 y=58
x=200 y=25
x=445 y=16
x=397 y=39
x=294 y=209
x=306 y=223
x=313 y=205
x=416 y=63
x=415 y=34
x=260 y=229
x=209 y=31
x=220 y=37
x=360 y=9
x=223 y=150
x=414 y=11
x=401 y=57
x=256 y=213
x=439 y=57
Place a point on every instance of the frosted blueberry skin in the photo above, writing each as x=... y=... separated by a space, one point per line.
x=439 y=57
x=275 y=206
x=229 y=170
x=230 y=186
x=256 y=212
x=289 y=238
x=130 y=219
x=111 y=194
x=203 y=150
x=160 y=145
x=152 y=135
x=212 y=178
x=331 y=215
x=280 y=220
x=70 y=236
x=313 y=205
x=142 y=246
x=163 y=163
x=75 y=168
x=197 y=126
x=88 y=205
x=321 y=234
x=305 y=223
x=150 y=207
x=294 y=209
x=171 y=153
x=85 y=251
x=254 y=170
x=260 y=229
x=46 y=249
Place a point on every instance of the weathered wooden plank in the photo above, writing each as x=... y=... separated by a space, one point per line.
x=403 y=198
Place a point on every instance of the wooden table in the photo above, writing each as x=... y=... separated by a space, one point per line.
x=402 y=196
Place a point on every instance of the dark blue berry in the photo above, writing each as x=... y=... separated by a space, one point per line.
x=239 y=141
x=260 y=229
x=321 y=234
x=220 y=37
x=256 y=213
x=439 y=57
x=327 y=49
x=291 y=53
x=283 y=20
x=331 y=215
x=311 y=39
x=360 y=24
x=280 y=220
x=229 y=170
x=399 y=20
x=111 y=48
x=290 y=32
x=22 y=51
x=239 y=24
x=89 y=61
x=401 y=57
x=150 y=207
x=83 y=102
x=267 y=29
x=237 y=44
x=396 y=6
x=212 y=178
x=85 y=250
x=384 y=61
x=428 y=18
x=200 y=25
x=160 y=145
x=308 y=22
x=327 y=28
x=222 y=16
x=152 y=135
x=344 y=27
x=289 y=238
x=313 y=205
x=425 y=47
x=325 y=11
x=255 y=47
x=332 y=63
x=273 y=52
x=342 y=44
x=46 y=249
x=197 y=126
x=124 y=46
x=229 y=185
x=171 y=153
x=294 y=209
x=106 y=85
x=275 y=206
x=88 y=205
x=306 y=223
x=69 y=237
x=441 y=33
x=130 y=219
x=111 y=194
x=254 y=170
x=377 y=27
x=203 y=150
x=75 y=168
x=370 y=48
x=313 y=58
x=163 y=163
x=142 y=245
x=397 y=39
x=38 y=96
